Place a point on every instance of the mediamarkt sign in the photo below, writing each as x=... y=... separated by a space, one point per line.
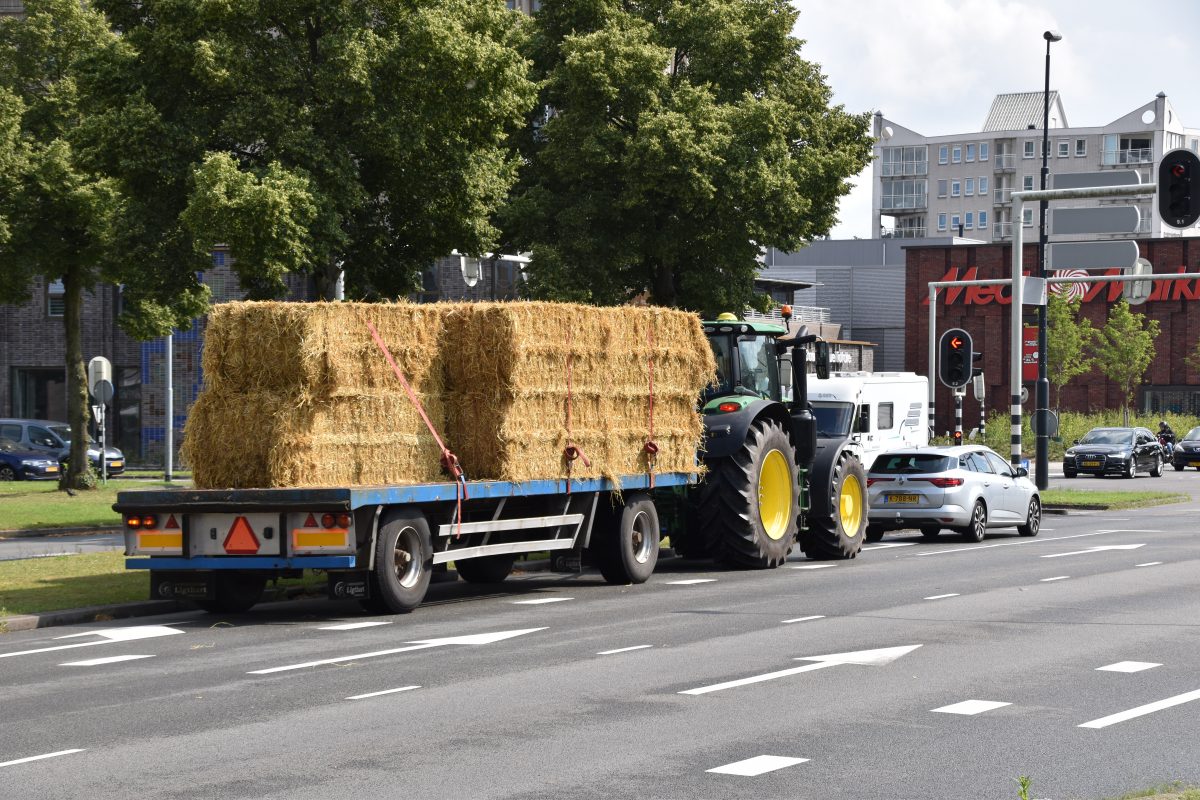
x=1164 y=289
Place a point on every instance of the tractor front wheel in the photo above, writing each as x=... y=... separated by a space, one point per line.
x=838 y=532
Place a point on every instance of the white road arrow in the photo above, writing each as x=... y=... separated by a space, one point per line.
x=423 y=644
x=107 y=636
x=1096 y=550
x=869 y=658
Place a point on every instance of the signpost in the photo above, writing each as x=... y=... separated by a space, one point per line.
x=100 y=383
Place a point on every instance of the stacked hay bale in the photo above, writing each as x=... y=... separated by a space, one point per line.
x=299 y=394
x=529 y=379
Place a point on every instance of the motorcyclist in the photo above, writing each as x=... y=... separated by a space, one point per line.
x=1166 y=436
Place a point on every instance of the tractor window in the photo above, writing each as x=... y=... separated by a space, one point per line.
x=722 y=347
x=833 y=419
x=760 y=370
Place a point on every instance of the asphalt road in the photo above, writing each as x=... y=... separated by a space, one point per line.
x=664 y=690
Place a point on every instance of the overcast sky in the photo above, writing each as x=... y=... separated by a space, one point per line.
x=934 y=66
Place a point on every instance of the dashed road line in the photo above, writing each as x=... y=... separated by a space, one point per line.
x=378 y=694
x=691 y=581
x=804 y=619
x=95 y=662
x=624 y=649
x=1141 y=711
x=1128 y=666
x=974 y=547
x=1149 y=564
x=942 y=596
x=1055 y=578
x=810 y=566
x=541 y=601
x=26 y=760
x=758 y=765
x=970 y=707
x=887 y=545
x=353 y=626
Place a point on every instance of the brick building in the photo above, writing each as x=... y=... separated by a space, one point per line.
x=984 y=312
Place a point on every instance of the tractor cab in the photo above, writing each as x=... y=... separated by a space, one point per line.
x=748 y=359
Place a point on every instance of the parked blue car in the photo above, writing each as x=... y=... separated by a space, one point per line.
x=18 y=463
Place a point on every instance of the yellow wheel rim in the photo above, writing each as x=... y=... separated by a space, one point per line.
x=775 y=494
x=850 y=506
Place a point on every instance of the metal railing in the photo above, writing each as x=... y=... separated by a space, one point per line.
x=1002 y=230
x=908 y=232
x=895 y=168
x=1004 y=161
x=1139 y=155
x=1003 y=195
x=799 y=314
x=903 y=201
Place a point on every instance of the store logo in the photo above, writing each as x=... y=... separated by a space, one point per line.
x=1164 y=289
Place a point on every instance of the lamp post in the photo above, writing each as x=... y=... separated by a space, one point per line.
x=1042 y=393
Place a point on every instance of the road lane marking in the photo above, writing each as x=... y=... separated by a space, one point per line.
x=623 y=649
x=39 y=758
x=1128 y=666
x=1099 y=549
x=478 y=638
x=541 y=601
x=353 y=626
x=870 y=658
x=973 y=548
x=1141 y=711
x=95 y=662
x=691 y=581
x=107 y=636
x=970 y=707
x=804 y=619
x=810 y=566
x=889 y=544
x=1055 y=578
x=942 y=596
x=385 y=691
x=1149 y=564
x=758 y=765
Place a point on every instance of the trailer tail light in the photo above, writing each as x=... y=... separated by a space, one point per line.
x=144 y=536
x=941 y=483
x=144 y=521
x=330 y=532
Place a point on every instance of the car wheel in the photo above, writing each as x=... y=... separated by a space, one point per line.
x=7 y=473
x=1180 y=467
x=1069 y=474
x=978 y=526
x=1131 y=468
x=874 y=533
x=1157 y=470
x=930 y=532
x=1033 y=520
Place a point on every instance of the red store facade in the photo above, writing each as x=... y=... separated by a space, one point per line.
x=984 y=311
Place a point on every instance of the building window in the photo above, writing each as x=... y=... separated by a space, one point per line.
x=970 y=152
x=969 y=187
x=956 y=154
x=942 y=221
x=983 y=151
x=55 y=299
x=942 y=187
x=1027 y=183
x=1064 y=148
x=1027 y=217
x=1030 y=148
x=885 y=417
x=970 y=223
x=905 y=161
x=1080 y=148
x=904 y=194
x=943 y=154
x=955 y=188
x=955 y=222
x=982 y=220
x=983 y=184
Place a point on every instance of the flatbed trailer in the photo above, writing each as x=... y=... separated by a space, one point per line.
x=381 y=544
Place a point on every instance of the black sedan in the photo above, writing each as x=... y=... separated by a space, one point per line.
x=1114 y=451
x=1187 y=451
x=18 y=463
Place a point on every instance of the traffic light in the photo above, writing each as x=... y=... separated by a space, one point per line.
x=955 y=361
x=958 y=439
x=1178 y=198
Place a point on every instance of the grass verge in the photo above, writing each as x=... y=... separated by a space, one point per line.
x=1173 y=791
x=39 y=504
x=1088 y=498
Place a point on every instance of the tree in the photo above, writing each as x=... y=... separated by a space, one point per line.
x=312 y=135
x=58 y=213
x=1124 y=349
x=675 y=140
x=1068 y=343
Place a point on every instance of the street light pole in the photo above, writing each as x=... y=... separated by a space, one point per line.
x=1042 y=393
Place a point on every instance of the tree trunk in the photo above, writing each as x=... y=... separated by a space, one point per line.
x=76 y=476
x=664 y=285
x=325 y=280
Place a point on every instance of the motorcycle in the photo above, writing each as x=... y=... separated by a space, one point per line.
x=1167 y=443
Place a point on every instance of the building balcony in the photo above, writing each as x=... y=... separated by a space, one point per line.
x=1118 y=158
x=1001 y=230
x=907 y=232
x=1003 y=196
x=895 y=169
x=1004 y=162
x=904 y=202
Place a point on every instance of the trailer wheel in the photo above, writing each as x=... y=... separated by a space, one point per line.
x=750 y=501
x=625 y=541
x=233 y=593
x=403 y=562
x=485 y=569
x=840 y=532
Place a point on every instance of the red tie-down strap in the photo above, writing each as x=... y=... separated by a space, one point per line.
x=449 y=460
x=571 y=452
x=650 y=448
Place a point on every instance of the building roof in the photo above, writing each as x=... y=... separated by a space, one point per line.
x=1018 y=111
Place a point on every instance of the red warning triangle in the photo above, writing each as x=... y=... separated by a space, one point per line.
x=171 y=523
x=241 y=539
x=311 y=522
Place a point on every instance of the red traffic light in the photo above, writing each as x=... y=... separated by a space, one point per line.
x=1178 y=170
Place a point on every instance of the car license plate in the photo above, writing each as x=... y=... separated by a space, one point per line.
x=1194 y=463
x=908 y=499
x=52 y=468
x=117 y=464
x=1092 y=463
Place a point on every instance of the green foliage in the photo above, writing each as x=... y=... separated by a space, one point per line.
x=681 y=137
x=1068 y=343
x=1023 y=784
x=1124 y=349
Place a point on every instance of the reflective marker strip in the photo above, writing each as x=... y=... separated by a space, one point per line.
x=160 y=541
x=1141 y=711
x=39 y=758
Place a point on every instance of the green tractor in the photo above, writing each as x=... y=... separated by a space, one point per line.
x=770 y=481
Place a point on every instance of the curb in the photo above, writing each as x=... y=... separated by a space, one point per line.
x=72 y=616
x=34 y=533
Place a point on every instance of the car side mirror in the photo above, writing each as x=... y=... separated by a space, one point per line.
x=1075 y=442
x=1021 y=472
x=821 y=360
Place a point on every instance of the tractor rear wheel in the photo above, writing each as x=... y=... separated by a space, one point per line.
x=840 y=532
x=749 y=502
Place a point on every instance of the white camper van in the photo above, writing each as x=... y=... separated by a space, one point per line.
x=879 y=411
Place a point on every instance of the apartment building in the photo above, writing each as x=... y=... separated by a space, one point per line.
x=962 y=184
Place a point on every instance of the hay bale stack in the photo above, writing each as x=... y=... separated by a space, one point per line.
x=299 y=394
x=507 y=369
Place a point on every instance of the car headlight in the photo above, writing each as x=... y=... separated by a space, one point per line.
x=1124 y=455
x=35 y=462
x=1069 y=452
